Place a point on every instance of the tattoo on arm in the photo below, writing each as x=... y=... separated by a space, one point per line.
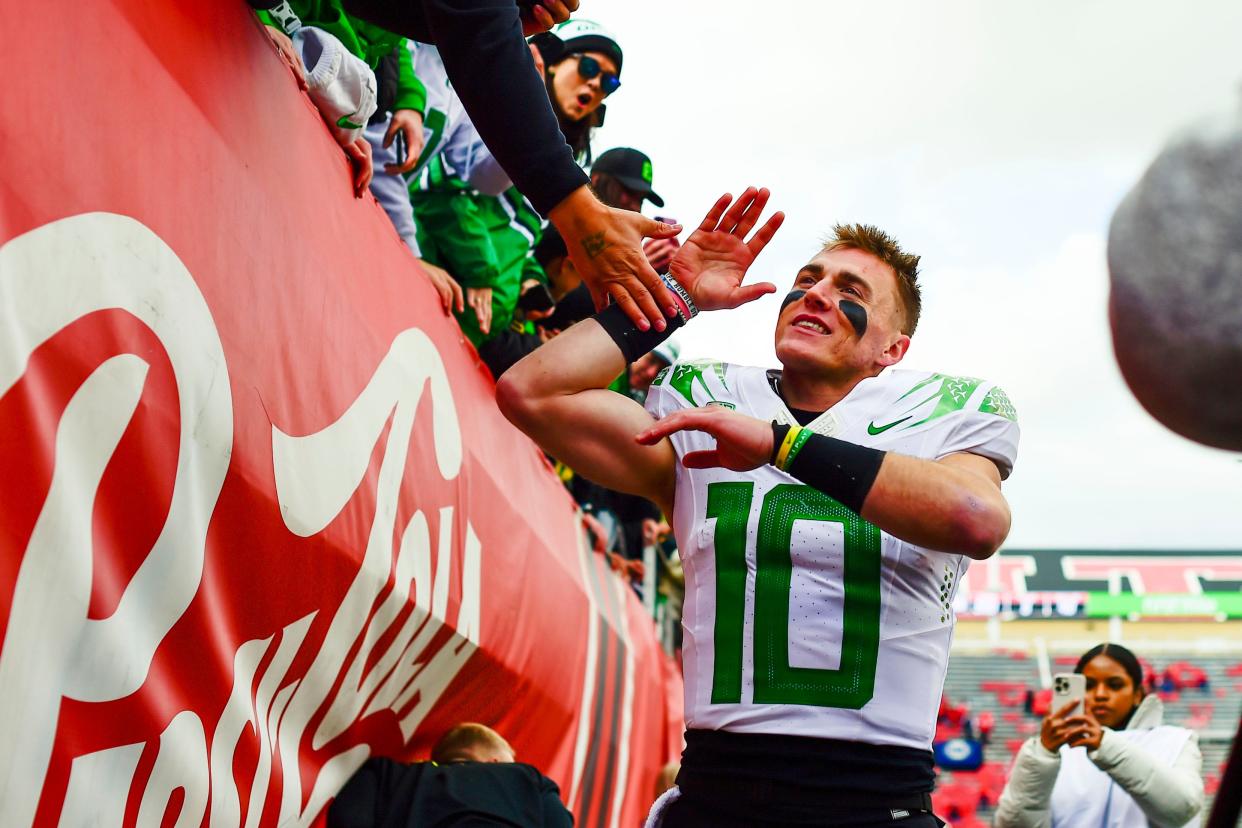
x=594 y=244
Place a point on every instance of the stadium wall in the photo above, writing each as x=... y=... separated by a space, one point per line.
x=262 y=518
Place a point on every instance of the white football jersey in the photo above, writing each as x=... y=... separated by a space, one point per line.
x=801 y=618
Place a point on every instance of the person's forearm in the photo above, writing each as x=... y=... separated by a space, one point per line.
x=580 y=217
x=558 y=397
x=490 y=66
x=582 y=358
x=1026 y=800
x=946 y=505
x=938 y=506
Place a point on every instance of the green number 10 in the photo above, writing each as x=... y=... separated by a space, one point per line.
x=776 y=682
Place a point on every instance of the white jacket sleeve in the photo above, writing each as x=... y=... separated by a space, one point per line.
x=1169 y=796
x=485 y=173
x=1027 y=799
x=341 y=86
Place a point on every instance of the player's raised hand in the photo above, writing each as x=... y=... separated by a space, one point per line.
x=714 y=260
x=742 y=443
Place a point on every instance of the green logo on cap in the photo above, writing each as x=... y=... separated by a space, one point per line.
x=647 y=171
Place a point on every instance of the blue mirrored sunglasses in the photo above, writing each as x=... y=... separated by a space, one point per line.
x=588 y=67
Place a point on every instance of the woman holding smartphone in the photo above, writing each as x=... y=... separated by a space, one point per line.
x=1113 y=764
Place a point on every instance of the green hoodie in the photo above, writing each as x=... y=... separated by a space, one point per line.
x=483 y=241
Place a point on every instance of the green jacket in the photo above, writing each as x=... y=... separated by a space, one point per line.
x=483 y=241
x=362 y=39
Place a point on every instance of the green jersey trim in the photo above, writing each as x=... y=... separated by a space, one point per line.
x=950 y=394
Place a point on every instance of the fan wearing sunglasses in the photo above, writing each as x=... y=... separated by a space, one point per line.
x=582 y=67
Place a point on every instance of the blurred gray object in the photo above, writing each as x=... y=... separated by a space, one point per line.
x=1175 y=264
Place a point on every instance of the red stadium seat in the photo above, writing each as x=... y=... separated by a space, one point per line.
x=1013 y=746
x=1041 y=704
x=998 y=686
x=985 y=722
x=992 y=777
x=1184 y=675
x=956 y=800
x=1149 y=669
x=1234 y=670
x=947 y=730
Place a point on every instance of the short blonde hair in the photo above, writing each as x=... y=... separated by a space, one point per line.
x=466 y=742
x=871 y=239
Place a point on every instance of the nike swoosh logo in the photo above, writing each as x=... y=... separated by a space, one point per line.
x=873 y=430
x=345 y=123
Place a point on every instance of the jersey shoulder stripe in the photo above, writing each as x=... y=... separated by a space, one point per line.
x=911 y=399
x=697 y=383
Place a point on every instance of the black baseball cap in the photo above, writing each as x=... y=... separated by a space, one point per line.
x=632 y=168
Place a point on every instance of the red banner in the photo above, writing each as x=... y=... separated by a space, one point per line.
x=261 y=518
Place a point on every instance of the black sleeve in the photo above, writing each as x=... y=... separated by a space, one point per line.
x=490 y=66
x=555 y=814
x=358 y=804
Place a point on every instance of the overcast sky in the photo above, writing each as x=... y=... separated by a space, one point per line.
x=993 y=138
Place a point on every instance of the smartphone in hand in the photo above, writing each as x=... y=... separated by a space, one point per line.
x=1067 y=687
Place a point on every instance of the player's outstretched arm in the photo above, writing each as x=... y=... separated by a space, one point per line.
x=953 y=504
x=558 y=394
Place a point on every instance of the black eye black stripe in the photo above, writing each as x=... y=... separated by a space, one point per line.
x=854 y=312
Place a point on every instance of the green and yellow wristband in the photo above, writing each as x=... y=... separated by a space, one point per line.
x=842 y=470
x=788 y=448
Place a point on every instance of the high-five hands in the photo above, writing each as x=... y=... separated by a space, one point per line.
x=711 y=266
x=605 y=245
x=742 y=443
x=714 y=260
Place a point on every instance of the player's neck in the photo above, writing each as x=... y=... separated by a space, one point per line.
x=814 y=393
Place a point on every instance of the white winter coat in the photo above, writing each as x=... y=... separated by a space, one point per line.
x=1145 y=775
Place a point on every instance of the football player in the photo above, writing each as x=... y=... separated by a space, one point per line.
x=825 y=513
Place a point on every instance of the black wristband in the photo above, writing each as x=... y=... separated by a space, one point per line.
x=633 y=342
x=779 y=430
x=842 y=470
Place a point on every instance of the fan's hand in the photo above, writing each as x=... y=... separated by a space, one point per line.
x=714 y=260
